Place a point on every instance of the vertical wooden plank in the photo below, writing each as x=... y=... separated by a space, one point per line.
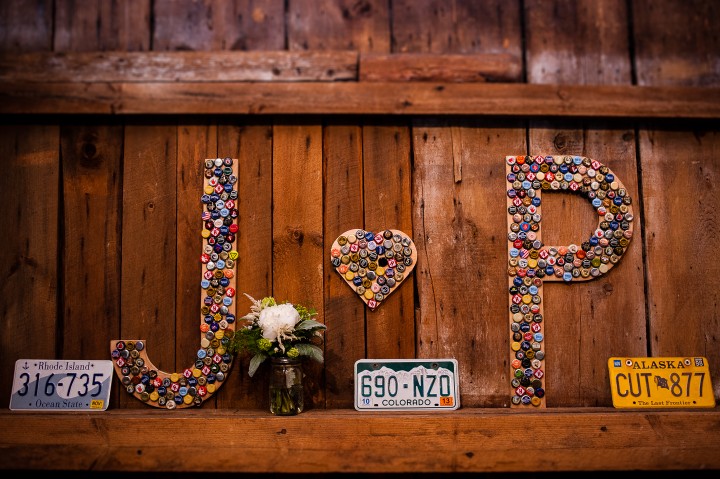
x=225 y=25
x=450 y=195
x=252 y=146
x=577 y=42
x=92 y=182
x=28 y=261
x=219 y=25
x=388 y=205
x=298 y=255
x=339 y=25
x=26 y=25
x=589 y=322
x=676 y=44
x=149 y=248
x=92 y=185
x=106 y=25
x=456 y=26
x=459 y=228
x=586 y=323
x=196 y=141
x=29 y=162
x=681 y=172
x=344 y=310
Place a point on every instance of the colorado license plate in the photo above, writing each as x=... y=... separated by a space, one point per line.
x=61 y=385
x=406 y=384
x=682 y=382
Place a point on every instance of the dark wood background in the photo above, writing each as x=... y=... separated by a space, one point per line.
x=98 y=213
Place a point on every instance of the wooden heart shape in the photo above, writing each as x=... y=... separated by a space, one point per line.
x=374 y=265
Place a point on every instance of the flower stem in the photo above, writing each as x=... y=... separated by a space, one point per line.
x=284 y=401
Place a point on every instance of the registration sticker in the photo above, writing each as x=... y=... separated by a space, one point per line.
x=672 y=382
x=61 y=385
x=406 y=384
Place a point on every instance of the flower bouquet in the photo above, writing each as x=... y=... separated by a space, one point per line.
x=284 y=333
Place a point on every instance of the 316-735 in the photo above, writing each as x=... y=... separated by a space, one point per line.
x=48 y=388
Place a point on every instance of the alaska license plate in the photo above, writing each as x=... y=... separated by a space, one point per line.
x=681 y=382
x=61 y=385
x=406 y=384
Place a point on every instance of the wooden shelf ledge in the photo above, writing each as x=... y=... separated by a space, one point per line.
x=467 y=440
x=360 y=98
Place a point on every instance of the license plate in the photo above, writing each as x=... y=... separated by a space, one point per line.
x=61 y=385
x=406 y=384
x=682 y=382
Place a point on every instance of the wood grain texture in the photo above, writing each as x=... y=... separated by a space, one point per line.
x=676 y=42
x=438 y=68
x=387 y=180
x=577 y=42
x=219 y=25
x=362 y=25
x=456 y=26
x=92 y=182
x=362 y=98
x=586 y=323
x=589 y=322
x=468 y=440
x=178 y=66
x=343 y=210
x=148 y=304
x=679 y=172
x=29 y=235
x=106 y=25
x=26 y=26
x=252 y=145
x=92 y=219
x=459 y=228
x=298 y=256
x=680 y=181
x=196 y=141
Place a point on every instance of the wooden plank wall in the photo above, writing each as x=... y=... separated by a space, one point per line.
x=110 y=246
x=604 y=317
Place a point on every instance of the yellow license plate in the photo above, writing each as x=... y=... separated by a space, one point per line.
x=682 y=382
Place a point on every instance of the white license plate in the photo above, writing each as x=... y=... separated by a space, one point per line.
x=406 y=384
x=61 y=385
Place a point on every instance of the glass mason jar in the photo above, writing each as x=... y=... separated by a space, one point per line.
x=286 y=387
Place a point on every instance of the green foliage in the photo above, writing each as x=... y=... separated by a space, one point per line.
x=301 y=339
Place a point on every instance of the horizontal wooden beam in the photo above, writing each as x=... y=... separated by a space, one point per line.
x=203 y=67
x=467 y=440
x=256 y=66
x=348 y=98
x=440 y=68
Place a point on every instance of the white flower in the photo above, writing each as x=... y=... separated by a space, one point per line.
x=278 y=322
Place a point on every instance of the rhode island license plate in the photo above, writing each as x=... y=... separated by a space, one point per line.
x=61 y=385
x=675 y=382
x=406 y=384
